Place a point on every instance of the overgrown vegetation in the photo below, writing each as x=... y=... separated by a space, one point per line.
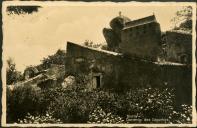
x=29 y=119
x=91 y=44
x=75 y=105
x=12 y=75
x=58 y=58
x=23 y=100
x=22 y=9
x=183 y=19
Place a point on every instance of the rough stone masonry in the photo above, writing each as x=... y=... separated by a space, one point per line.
x=132 y=61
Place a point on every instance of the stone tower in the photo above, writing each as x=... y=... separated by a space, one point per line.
x=139 y=38
x=113 y=34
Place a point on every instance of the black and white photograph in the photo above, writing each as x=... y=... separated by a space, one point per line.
x=98 y=64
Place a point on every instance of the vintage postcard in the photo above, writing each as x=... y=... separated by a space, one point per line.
x=79 y=64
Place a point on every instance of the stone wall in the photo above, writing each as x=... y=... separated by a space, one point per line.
x=143 y=20
x=142 y=41
x=146 y=74
x=120 y=72
x=179 y=47
x=90 y=62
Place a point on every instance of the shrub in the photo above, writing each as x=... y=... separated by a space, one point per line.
x=38 y=119
x=72 y=106
x=151 y=102
x=22 y=100
x=144 y=103
x=99 y=116
x=182 y=115
x=77 y=105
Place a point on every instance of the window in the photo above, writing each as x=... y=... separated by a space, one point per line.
x=79 y=59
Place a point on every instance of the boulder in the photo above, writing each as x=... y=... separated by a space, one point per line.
x=69 y=81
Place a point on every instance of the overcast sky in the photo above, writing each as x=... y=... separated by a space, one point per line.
x=30 y=37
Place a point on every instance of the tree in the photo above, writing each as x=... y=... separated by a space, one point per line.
x=58 y=58
x=12 y=75
x=91 y=44
x=183 y=19
x=22 y=9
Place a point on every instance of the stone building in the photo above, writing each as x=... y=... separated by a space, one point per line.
x=50 y=77
x=132 y=61
x=179 y=47
x=140 y=38
x=104 y=69
x=113 y=34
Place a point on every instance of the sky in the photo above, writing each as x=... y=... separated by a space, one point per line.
x=27 y=38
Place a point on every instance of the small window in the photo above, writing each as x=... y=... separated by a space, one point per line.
x=79 y=59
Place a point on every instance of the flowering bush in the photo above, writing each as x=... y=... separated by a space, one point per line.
x=99 y=116
x=22 y=100
x=150 y=103
x=45 y=119
x=77 y=105
x=141 y=103
x=183 y=115
x=144 y=105
x=72 y=106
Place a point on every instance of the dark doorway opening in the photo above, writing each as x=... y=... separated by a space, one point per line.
x=98 y=82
